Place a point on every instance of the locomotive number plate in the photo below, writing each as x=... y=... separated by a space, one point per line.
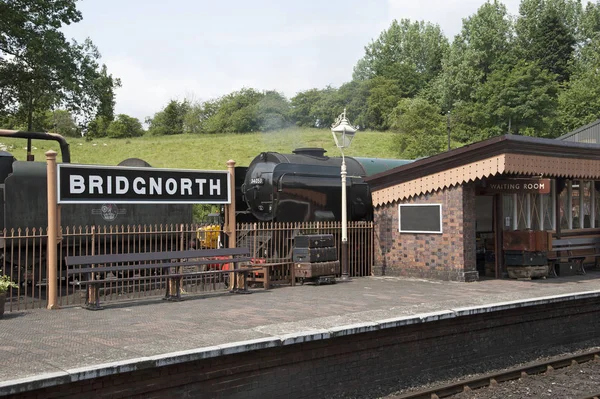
x=257 y=180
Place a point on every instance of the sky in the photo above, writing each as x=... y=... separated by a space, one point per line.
x=200 y=50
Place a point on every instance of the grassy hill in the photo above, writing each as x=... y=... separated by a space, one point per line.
x=205 y=151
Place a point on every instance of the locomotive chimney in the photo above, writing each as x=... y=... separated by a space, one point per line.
x=311 y=151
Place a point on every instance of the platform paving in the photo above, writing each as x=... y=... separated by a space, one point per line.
x=73 y=343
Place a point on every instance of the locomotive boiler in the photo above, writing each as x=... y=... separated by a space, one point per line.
x=306 y=186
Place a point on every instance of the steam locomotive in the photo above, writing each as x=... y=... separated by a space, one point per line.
x=305 y=186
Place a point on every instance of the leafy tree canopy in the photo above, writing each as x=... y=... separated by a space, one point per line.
x=421 y=129
x=41 y=70
x=412 y=50
x=579 y=103
x=125 y=126
x=170 y=120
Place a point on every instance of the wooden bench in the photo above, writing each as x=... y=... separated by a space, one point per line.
x=573 y=250
x=272 y=272
x=168 y=264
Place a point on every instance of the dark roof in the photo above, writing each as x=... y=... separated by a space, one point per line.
x=508 y=144
x=579 y=130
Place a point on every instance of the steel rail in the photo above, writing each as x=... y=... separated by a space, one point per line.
x=491 y=379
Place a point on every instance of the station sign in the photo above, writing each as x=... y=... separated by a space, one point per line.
x=94 y=184
x=518 y=186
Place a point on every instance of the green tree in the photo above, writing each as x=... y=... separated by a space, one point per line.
x=125 y=126
x=302 y=107
x=354 y=96
x=62 y=122
x=421 y=129
x=547 y=34
x=98 y=127
x=237 y=113
x=198 y=114
x=579 y=103
x=483 y=45
x=170 y=120
x=327 y=108
x=39 y=69
x=590 y=22
x=407 y=51
x=319 y=108
x=105 y=85
x=384 y=95
x=520 y=100
x=532 y=15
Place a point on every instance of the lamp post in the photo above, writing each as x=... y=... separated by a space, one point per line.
x=343 y=133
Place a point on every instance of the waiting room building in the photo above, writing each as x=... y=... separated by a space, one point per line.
x=448 y=216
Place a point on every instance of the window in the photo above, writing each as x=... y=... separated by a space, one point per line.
x=579 y=205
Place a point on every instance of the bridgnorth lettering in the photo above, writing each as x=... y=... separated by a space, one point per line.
x=118 y=185
x=95 y=184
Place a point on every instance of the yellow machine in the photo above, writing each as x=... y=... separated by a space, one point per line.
x=209 y=236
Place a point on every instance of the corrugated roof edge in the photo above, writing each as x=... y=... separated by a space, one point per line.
x=579 y=130
x=482 y=150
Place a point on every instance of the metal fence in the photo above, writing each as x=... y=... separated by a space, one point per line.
x=274 y=241
x=23 y=256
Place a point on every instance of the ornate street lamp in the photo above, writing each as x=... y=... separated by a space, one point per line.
x=343 y=133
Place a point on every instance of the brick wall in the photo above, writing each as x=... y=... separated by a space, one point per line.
x=446 y=256
x=361 y=365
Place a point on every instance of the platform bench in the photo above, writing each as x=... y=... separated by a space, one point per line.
x=95 y=269
x=573 y=250
x=272 y=272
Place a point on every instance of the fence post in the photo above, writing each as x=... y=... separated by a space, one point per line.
x=182 y=247
x=52 y=231
x=91 y=291
x=231 y=207
x=231 y=226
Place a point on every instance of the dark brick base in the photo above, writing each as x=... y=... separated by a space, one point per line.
x=446 y=256
x=360 y=364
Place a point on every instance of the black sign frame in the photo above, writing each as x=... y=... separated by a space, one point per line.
x=419 y=217
x=167 y=186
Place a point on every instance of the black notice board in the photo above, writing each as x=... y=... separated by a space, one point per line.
x=420 y=218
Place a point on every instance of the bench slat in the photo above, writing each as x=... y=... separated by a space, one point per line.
x=138 y=278
x=146 y=266
x=153 y=256
x=573 y=248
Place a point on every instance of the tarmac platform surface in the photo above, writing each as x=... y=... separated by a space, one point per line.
x=39 y=346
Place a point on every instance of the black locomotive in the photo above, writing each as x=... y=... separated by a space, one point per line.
x=305 y=186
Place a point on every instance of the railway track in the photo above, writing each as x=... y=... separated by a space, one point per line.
x=492 y=379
